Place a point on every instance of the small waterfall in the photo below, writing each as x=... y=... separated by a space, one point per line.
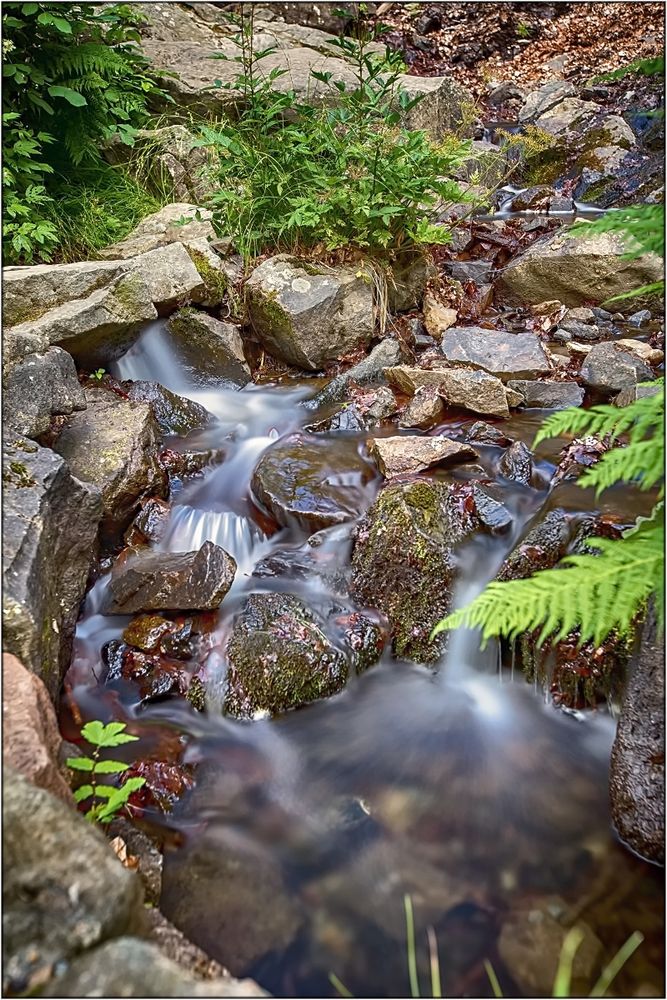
x=189 y=528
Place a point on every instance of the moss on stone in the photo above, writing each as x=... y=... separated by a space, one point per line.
x=215 y=280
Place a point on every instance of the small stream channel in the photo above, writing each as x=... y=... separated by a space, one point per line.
x=461 y=786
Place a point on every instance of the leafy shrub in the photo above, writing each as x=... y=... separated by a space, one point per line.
x=73 y=77
x=112 y=799
x=295 y=177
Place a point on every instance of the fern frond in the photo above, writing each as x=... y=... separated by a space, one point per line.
x=641 y=463
x=593 y=594
x=642 y=227
x=638 y=419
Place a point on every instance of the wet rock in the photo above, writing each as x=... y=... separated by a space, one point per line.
x=183 y=464
x=38 y=387
x=478 y=271
x=346 y=420
x=482 y=433
x=141 y=847
x=31 y=742
x=113 y=445
x=545 y=98
x=491 y=511
x=146 y=631
x=642 y=350
x=474 y=390
x=424 y=409
x=216 y=348
x=164 y=784
x=541 y=548
x=403 y=560
x=54 y=905
x=163 y=227
x=388 y=352
x=311 y=482
x=549 y=395
x=437 y=317
x=409 y=454
x=608 y=368
x=375 y=404
x=530 y=946
x=280 y=657
x=572 y=329
x=535 y=198
x=99 y=327
x=499 y=352
x=640 y=318
x=132 y=967
x=408 y=276
x=150 y=523
x=155 y=676
x=637 y=779
x=517 y=464
x=309 y=316
x=576 y=270
x=163 y=581
x=49 y=532
x=174 y=414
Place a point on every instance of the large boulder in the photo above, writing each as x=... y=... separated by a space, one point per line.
x=31 y=742
x=178 y=222
x=403 y=561
x=307 y=480
x=49 y=533
x=28 y=292
x=499 y=352
x=310 y=315
x=637 y=779
x=131 y=967
x=544 y=98
x=610 y=367
x=407 y=454
x=577 y=270
x=63 y=889
x=280 y=656
x=171 y=581
x=113 y=444
x=39 y=387
x=216 y=348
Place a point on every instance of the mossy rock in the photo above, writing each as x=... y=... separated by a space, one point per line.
x=403 y=560
x=281 y=655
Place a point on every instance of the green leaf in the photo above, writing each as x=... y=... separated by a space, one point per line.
x=84 y=792
x=120 y=797
x=110 y=767
x=29 y=8
x=73 y=97
x=63 y=26
x=93 y=732
x=80 y=763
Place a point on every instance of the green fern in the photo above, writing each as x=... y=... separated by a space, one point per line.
x=642 y=228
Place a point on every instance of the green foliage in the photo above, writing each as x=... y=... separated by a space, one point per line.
x=597 y=592
x=73 y=77
x=642 y=227
x=294 y=176
x=642 y=67
x=113 y=799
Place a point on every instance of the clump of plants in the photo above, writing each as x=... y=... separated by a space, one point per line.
x=106 y=800
x=344 y=174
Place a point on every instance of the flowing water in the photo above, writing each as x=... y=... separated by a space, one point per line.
x=459 y=785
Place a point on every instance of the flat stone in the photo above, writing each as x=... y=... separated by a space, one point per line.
x=29 y=292
x=306 y=480
x=474 y=390
x=171 y=581
x=642 y=350
x=410 y=378
x=307 y=315
x=408 y=454
x=55 y=906
x=49 y=540
x=31 y=741
x=113 y=444
x=506 y=355
x=545 y=98
x=567 y=114
x=548 y=395
x=608 y=368
x=164 y=227
x=39 y=387
x=478 y=271
x=170 y=275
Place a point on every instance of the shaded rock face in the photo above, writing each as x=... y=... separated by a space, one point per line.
x=407 y=279
x=281 y=657
x=29 y=292
x=131 y=967
x=31 y=741
x=541 y=548
x=310 y=315
x=576 y=270
x=608 y=368
x=174 y=414
x=49 y=532
x=517 y=464
x=63 y=889
x=172 y=581
x=409 y=454
x=549 y=395
x=39 y=387
x=403 y=561
x=637 y=779
x=311 y=481
x=369 y=369
x=113 y=444
x=213 y=348
x=504 y=354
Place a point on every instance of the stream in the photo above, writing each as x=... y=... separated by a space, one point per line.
x=461 y=786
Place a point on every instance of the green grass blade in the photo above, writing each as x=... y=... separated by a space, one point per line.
x=563 y=979
x=610 y=971
x=412 y=953
x=493 y=979
x=337 y=985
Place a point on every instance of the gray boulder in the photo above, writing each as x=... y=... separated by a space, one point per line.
x=31 y=291
x=407 y=454
x=503 y=354
x=474 y=390
x=217 y=346
x=310 y=315
x=570 y=113
x=576 y=270
x=170 y=275
x=637 y=779
x=162 y=228
x=171 y=581
x=544 y=98
x=370 y=369
x=63 y=889
x=113 y=444
x=609 y=367
x=549 y=395
x=39 y=387
x=49 y=532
